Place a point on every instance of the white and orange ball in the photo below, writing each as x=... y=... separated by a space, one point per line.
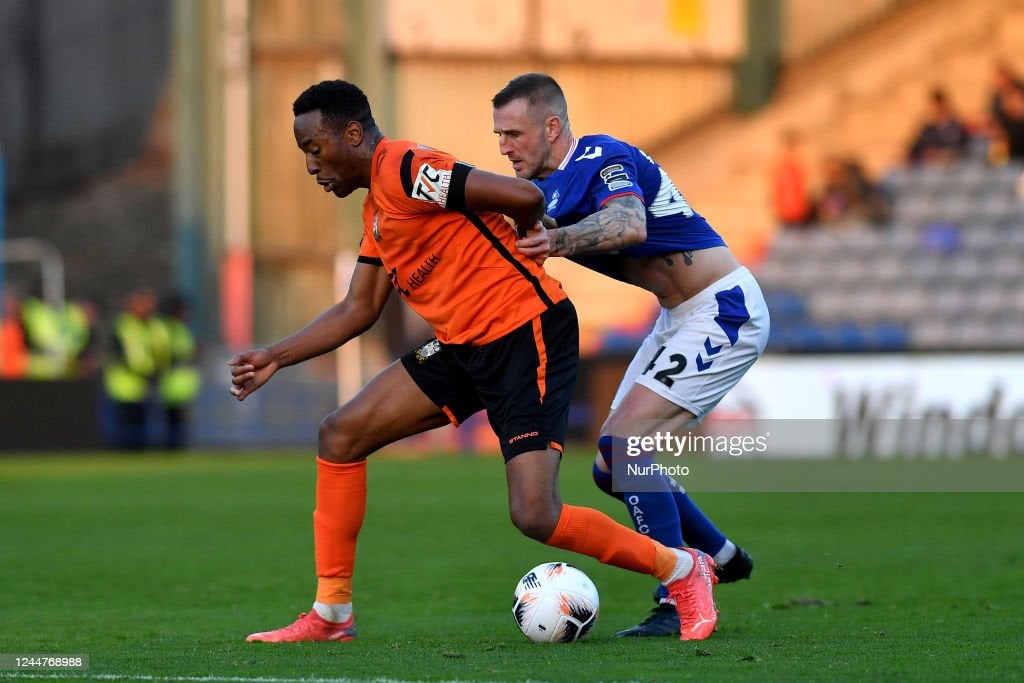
x=555 y=603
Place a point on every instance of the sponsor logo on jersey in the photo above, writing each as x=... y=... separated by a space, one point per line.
x=396 y=282
x=431 y=184
x=416 y=278
x=419 y=276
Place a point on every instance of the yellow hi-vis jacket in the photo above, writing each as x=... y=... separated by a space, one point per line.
x=179 y=380
x=127 y=376
x=54 y=337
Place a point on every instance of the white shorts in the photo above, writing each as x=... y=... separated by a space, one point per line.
x=699 y=350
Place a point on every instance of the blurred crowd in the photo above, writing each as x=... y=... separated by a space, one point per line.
x=839 y=193
x=39 y=341
x=143 y=357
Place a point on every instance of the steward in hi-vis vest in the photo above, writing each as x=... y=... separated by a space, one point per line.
x=130 y=370
x=178 y=379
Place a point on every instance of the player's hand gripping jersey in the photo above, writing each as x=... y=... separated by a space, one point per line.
x=599 y=168
x=460 y=271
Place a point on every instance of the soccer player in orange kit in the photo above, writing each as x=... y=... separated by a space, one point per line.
x=434 y=229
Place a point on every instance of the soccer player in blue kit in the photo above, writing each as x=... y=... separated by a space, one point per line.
x=613 y=209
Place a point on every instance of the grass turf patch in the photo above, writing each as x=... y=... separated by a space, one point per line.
x=159 y=566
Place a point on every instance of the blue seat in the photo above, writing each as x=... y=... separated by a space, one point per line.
x=844 y=336
x=808 y=337
x=941 y=237
x=886 y=336
x=784 y=304
x=617 y=341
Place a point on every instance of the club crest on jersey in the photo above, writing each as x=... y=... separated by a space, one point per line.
x=427 y=350
x=554 y=202
x=431 y=184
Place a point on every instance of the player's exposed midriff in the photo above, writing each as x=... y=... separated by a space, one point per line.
x=676 y=277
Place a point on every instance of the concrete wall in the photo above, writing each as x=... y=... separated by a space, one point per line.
x=809 y=26
x=79 y=82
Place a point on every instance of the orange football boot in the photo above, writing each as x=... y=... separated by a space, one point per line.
x=309 y=626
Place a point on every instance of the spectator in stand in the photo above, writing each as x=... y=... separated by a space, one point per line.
x=849 y=197
x=1000 y=127
x=943 y=138
x=791 y=199
x=1004 y=82
x=1008 y=128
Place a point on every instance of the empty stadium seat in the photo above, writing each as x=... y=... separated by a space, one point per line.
x=946 y=274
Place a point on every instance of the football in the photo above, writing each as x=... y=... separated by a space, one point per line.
x=555 y=603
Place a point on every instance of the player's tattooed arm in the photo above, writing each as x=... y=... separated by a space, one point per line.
x=620 y=223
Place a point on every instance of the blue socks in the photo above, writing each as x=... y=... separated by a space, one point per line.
x=666 y=514
x=653 y=511
x=604 y=482
x=697 y=529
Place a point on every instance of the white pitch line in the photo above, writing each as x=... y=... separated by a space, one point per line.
x=82 y=675
x=78 y=675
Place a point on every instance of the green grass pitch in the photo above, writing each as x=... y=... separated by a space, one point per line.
x=157 y=567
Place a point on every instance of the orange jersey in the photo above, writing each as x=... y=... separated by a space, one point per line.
x=458 y=270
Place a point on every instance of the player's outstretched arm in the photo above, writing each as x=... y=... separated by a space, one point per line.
x=621 y=222
x=353 y=315
x=519 y=199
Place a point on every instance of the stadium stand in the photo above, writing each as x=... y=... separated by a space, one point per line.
x=944 y=274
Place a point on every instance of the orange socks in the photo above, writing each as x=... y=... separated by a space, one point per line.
x=340 y=508
x=589 y=532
